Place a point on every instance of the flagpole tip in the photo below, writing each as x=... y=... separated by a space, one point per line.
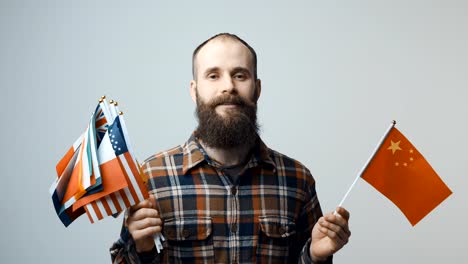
x=394 y=122
x=120 y=113
x=115 y=103
x=111 y=101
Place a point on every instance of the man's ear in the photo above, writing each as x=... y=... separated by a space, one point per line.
x=258 y=89
x=193 y=90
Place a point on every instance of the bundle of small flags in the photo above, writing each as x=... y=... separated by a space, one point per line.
x=99 y=174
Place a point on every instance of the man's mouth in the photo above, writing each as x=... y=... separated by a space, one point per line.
x=228 y=105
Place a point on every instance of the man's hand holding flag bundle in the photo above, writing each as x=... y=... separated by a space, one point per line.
x=99 y=174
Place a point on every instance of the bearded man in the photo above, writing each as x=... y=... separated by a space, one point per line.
x=224 y=196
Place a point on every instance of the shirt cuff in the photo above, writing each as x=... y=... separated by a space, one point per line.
x=148 y=257
x=305 y=256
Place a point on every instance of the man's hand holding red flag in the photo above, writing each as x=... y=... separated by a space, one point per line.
x=330 y=233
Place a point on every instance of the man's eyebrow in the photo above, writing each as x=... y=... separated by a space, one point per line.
x=211 y=69
x=242 y=69
x=234 y=70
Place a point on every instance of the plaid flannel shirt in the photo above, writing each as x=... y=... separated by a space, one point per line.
x=265 y=217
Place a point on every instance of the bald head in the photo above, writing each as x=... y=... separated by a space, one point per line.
x=224 y=37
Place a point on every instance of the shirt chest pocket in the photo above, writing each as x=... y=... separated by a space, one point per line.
x=189 y=240
x=275 y=239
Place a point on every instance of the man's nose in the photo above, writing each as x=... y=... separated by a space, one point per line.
x=228 y=85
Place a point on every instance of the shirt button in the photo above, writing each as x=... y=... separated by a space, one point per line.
x=233 y=190
x=170 y=232
x=234 y=228
x=282 y=230
x=186 y=233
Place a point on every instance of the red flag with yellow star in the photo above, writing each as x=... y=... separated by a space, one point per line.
x=403 y=175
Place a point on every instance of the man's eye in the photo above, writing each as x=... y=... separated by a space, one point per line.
x=239 y=76
x=212 y=76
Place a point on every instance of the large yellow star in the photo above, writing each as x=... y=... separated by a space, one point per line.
x=394 y=146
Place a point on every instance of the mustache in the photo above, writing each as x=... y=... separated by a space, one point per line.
x=229 y=99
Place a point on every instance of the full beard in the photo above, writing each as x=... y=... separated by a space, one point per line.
x=238 y=127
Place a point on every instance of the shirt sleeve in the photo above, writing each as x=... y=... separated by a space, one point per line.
x=123 y=251
x=305 y=257
x=311 y=212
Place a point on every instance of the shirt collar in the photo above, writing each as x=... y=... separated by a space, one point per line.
x=194 y=154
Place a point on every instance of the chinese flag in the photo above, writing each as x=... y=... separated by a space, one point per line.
x=402 y=174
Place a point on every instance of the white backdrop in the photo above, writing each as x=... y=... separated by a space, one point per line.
x=334 y=75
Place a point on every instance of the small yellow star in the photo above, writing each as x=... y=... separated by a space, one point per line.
x=410 y=151
x=394 y=146
x=411 y=159
x=396 y=163
x=405 y=164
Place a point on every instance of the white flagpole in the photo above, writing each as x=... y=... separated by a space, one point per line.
x=105 y=109
x=367 y=163
x=124 y=129
x=112 y=110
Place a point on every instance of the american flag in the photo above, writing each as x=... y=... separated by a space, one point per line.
x=114 y=144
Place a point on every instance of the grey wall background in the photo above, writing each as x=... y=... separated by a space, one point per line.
x=334 y=75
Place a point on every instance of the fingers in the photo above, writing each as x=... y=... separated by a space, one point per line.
x=334 y=231
x=143 y=216
x=149 y=232
x=340 y=218
x=143 y=213
x=142 y=223
x=335 y=225
x=148 y=203
x=343 y=212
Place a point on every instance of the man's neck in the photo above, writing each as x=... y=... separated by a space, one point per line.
x=228 y=157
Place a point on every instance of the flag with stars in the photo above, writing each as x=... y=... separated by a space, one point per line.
x=404 y=176
x=122 y=182
x=98 y=175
